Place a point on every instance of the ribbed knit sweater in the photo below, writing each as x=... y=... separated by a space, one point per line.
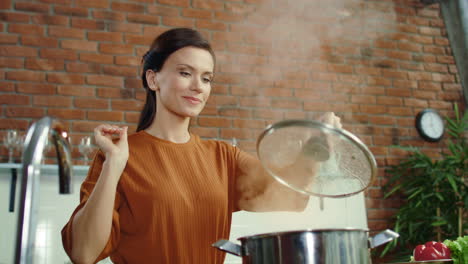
x=172 y=202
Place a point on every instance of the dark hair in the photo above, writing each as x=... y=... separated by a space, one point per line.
x=161 y=48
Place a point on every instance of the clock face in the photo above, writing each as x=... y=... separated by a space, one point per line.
x=430 y=125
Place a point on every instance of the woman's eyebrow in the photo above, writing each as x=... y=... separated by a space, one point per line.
x=192 y=68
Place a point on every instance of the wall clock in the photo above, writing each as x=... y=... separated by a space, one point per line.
x=430 y=125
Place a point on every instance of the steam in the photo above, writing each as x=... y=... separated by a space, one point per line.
x=303 y=43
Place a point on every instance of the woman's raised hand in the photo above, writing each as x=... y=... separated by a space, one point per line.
x=112 y=140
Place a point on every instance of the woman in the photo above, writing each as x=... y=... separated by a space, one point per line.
x=163 y=195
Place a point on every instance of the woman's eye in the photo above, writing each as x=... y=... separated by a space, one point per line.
x=185 y=74
x=207 y=80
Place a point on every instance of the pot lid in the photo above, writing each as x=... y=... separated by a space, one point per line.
x=316 y=159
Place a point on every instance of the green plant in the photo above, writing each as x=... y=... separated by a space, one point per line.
x=434 y=192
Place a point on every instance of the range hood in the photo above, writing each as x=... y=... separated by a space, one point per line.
x=455 y=14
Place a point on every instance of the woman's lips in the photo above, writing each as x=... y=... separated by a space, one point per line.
x=192 y=100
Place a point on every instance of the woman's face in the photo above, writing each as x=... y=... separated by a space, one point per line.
x=183 y=85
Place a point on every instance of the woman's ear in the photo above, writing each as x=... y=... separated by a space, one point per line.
x=152 y=80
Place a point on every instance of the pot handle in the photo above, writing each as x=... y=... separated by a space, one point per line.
x=229 y=247
x=382 y=238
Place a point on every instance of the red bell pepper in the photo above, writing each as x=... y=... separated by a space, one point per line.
x=431 y=251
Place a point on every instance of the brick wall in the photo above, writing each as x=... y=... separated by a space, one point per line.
x=376 y=63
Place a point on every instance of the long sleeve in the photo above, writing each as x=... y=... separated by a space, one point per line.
x=85 y=191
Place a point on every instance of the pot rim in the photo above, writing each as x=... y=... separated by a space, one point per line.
x=318 y=230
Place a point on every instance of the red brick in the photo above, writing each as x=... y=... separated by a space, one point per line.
x=58 y=54
x=26 y=29
x=400 y=55
x=65 y=78
x=124 y=27
x=127 y=7
x=14 y=17
x=415 y=102
x=14 y=99
x=91 y=103
x=424 y=95
x=84 y=126
x=32 y=112
x=77 y=67
x=398 y=92
x=443 y=41
x=214 y=122
x=7 y=86
x=5 y=4
x=119 y=70
x=163 y=10
x=32 y=7
x=208 y=4
x=208 y=24
x=422 y=39
x=395 y=74
x=84 y=23
x=177 y=22
x=236 y=133
x=67 y=114
x=385 y=44
x=14 y=124
x=441 y=105
x=130 y=105
x=419 y=76
x=104 y=80
x=373 y=109
x=132 y=117
x=180 y=3
x=6 y=38
x=379 y=81
x=66 y=32
x=143 y=19
x=429 y=31
x=134 y=83
x=255 y=102
x=52 y=101
x=7 y=62
x=399 y=111
x=114 y=93
x=427 y=58
x=243 y=123
x=286 y=104
x=25 y=75
x=96 y=58
x=44 y=64
x=71 y=11
x=412 y=66
x=109 y=15
x=429 y=85
x=409 y=46
x=79 y=45
x=149 y=33
x=196 y=13
x=363 y=99
x=318 y=106
x=128 y=61
x=435 y=50
x=93 y=3
x=105 y=36
x=438 y=77
x=445 y=59
x=234 y=112
x=340 y=68
x=105 y=115
x=115 y=48
x=408 y=28
x=389 y=100
x=32 y=88
x=76 y=90
x=39 y=41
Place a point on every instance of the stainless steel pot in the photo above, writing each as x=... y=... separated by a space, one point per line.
x=319 y=246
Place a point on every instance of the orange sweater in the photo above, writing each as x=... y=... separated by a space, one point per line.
x=173 y=201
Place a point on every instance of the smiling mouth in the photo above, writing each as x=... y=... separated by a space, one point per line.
x=192 y=100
